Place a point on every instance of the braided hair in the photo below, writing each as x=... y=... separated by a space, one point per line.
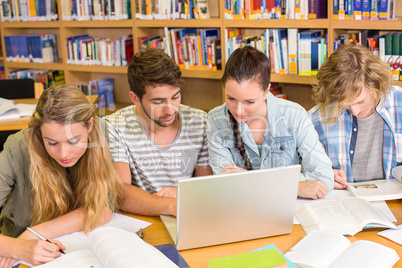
x=239 y=144
x=246 y=64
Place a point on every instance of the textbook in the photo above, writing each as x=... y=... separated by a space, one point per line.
x=347 y=217
x=110 y=247
x=321 y=249
x=377 y=190
x=9 y=110
x=256 y=259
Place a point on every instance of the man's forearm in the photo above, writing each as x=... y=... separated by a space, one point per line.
x=139 y=201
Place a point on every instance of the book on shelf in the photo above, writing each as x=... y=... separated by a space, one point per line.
x=275 y=9
x=112 y=247
x=31 y=48
x=104 y=88
x=376 y=190
x=264 y=258
x=202 y=9
x=347 y=217
x=321 y=249
x=317 y=9
x=10 y=110
x=47 y=77
x=86 y=50
x=28 y=10
x=96 y=10
x=365 y=9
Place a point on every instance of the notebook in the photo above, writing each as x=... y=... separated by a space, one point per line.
x=226 y=208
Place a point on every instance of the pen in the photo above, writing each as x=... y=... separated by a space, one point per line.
x=41 y=237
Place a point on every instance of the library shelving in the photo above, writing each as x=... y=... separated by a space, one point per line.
x=202 y=89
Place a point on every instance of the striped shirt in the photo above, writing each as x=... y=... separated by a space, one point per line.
x=151 y=166
x=339 y=139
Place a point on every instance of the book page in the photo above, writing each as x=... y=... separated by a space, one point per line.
x=393 y=235
x=318 y=249
x=364 y=213
x=326 y=215
x=119 y=248
x=26 y=109
x=78 y=259
x=397 y=173
x=366 y=254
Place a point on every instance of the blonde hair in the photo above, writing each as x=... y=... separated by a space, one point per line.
x=92 y=183
x=344 y=75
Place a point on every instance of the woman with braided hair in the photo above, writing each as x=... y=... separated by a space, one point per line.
x=255 y=130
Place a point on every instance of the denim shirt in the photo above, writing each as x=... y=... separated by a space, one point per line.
x=289 y=134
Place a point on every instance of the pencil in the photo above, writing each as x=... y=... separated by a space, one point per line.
x=41 y=237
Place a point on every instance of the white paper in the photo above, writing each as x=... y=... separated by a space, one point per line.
x=393 y=235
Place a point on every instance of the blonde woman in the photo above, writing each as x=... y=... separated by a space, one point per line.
x=56 y=176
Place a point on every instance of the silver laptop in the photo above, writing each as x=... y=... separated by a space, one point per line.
x=233 y=207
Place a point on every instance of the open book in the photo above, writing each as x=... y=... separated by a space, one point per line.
x=375 y=190
x=324 y=249
x=9 y=110
x=110 y=247
x=347 y=217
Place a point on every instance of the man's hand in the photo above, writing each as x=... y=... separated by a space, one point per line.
x=340 y=181
x=167 y=192
x=312 y=189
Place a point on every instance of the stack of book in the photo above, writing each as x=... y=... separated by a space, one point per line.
x=101 y=87
x=86 y=50
x=28 y=10
x=276 y=9
x=96 y=10
x=31 y=48
x=47 y=77
x=365 y=10
x=191 y=48
x=292 y=51
x=171 y=9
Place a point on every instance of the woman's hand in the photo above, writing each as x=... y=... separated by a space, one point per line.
x=231 y=169
x=312 y=189
x=36 y=251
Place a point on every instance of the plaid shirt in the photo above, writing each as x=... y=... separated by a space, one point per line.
x=339 y=139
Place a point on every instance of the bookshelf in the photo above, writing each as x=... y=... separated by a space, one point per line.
x=202 y=89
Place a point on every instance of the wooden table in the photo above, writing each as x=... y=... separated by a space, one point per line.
x=22 y=122
x=157 y=235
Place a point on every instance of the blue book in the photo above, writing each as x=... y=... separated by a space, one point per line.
x=315 y=57
x=206 y=36
x=105 y=92
x=366 y=9
x=171 y=252
x=357 y=9
x=335 y=9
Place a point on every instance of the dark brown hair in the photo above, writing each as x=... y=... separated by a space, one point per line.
x=152 y=68
x=246 y=64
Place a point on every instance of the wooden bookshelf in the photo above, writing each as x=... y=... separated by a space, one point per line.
x=203 y=89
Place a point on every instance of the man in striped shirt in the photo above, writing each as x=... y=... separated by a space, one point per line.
x=358 y=115
x=157 y=140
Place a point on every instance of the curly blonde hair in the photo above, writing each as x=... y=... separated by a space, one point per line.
x=344 y=75
x=92 y=183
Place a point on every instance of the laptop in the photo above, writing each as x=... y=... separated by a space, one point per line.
x=233 y=207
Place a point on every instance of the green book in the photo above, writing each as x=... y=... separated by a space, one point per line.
x=255 y=259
